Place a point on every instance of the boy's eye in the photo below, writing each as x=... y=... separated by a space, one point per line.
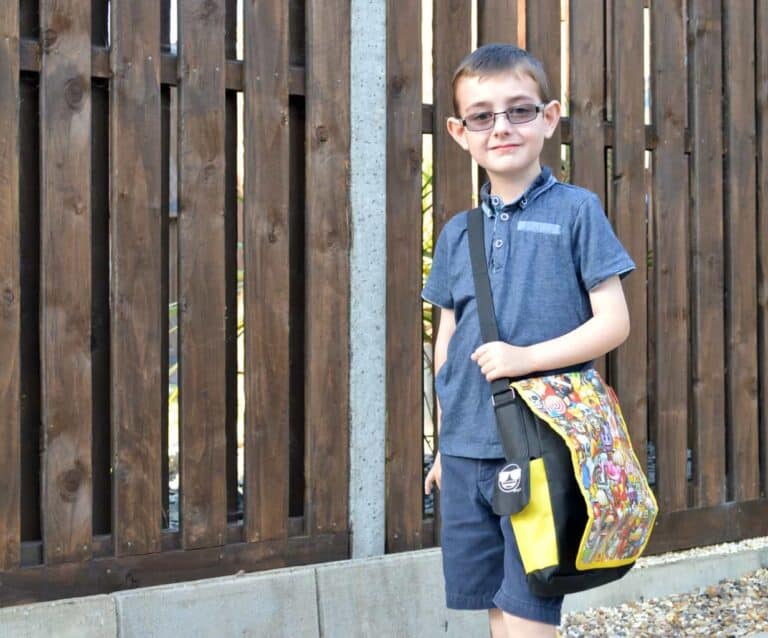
x=480 y=118
x=521 y=112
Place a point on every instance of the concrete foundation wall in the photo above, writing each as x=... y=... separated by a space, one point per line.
x=91 y=617
x=399 y=595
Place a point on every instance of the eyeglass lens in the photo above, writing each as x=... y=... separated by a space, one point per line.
x=518 y=114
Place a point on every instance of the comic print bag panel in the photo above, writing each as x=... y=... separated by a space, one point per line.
x=591 y=510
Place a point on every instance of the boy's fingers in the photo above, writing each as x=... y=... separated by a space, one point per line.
x=482 y=360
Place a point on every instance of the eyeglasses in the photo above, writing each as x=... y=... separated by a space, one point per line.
x=517 y=114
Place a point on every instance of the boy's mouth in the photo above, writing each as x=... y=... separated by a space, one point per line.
x=505 y=147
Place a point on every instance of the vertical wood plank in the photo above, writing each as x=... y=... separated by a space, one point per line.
x=452 y=166
x=741 y=259
x=761 y=82
x=201 y=272
x=587 y=100
x=267 y=270
x=670 y=264
x=327 y=265
x=707 y=294
x=136 y=232
x=10 y=291
x=629 y=211
x=497 y=21
x=403 y=321
x=542 y=29
x=65 y=322
x=587 y=108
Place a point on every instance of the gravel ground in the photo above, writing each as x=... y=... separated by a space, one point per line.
x=730 y=608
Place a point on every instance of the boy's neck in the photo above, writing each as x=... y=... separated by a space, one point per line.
x=510 y=188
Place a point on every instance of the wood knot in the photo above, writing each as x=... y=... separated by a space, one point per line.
x=321 y=133
x=207 y=9
x=8 y=296
x=74 y=91
x=397 y=84
x=209 y=170
x=48 y=39
x=414 y=160
x=69 y=482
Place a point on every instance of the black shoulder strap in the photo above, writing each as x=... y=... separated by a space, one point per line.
x=488 y=329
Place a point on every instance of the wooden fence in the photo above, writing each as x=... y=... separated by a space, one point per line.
x=92 y=255
x=98 y=239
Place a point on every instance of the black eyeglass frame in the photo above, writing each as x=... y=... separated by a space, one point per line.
x=538 y=108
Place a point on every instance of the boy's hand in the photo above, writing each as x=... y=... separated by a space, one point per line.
x=433 y=476
x=498 y=359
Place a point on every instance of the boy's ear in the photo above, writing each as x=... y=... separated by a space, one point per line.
x=551 y=117
x=457 y=131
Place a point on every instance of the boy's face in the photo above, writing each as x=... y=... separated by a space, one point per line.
x=505 y=150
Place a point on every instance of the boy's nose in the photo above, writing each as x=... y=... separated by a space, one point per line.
x=501 y=122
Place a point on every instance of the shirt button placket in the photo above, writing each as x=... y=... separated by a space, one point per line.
x=498 y=257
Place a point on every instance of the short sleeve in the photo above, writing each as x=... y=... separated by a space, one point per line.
x=437 y=290
x=598 y=253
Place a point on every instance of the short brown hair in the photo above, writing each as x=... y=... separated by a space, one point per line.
x=492 y=59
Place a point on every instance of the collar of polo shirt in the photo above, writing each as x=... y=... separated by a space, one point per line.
x=493 y=204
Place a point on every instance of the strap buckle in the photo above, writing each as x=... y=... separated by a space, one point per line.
x=505 y=397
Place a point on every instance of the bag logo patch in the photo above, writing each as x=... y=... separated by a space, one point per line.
x=509 y=478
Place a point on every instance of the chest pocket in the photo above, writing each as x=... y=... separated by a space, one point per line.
x=538 y=228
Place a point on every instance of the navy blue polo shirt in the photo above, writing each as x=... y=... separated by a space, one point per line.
x=545 y=250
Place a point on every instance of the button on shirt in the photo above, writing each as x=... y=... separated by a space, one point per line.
x=546 y=251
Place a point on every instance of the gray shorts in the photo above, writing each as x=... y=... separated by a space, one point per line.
x=481 y=562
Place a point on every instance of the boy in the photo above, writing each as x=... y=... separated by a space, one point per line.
x=555 y=267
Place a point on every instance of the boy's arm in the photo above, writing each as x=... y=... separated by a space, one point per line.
x=444 y=333
x=607 y=329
